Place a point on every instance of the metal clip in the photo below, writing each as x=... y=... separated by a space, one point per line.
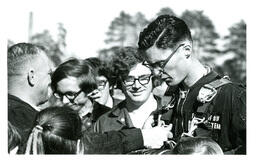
x=206 y=93
x=193 y=126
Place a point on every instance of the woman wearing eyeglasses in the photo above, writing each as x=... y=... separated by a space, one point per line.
x=135 y=81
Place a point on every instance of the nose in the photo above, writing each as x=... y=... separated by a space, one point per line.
x=65 y=100
x=136 y=84
x=156 y=71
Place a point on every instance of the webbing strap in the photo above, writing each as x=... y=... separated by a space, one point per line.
x=214 y=84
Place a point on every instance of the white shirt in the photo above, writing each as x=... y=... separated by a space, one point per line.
x=140 y=115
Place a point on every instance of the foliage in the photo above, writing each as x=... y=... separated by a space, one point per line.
x=124 y=30
x=236 y=44
x=166 y=10
x=203 y=34
x=55 y=49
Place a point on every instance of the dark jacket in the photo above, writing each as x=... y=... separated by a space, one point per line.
x=21 y=115
x=89 y=119
x=118 y=118
x=226 y=119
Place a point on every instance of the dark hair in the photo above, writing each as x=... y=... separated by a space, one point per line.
x=56 y=131
x=14 y=138
x=75 y=68
x=124 y=59
x=200 y=145
x=164 y=32
x=20 y=56
x=101 y=68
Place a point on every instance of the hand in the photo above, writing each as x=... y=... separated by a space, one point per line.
x=155 y=137
x=95 y=94
x=148 y=123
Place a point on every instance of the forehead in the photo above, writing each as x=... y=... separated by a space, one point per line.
x=139 y=70
x=155 y=54
x=68 y=84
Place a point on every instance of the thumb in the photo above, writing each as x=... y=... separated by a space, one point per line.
x=168 y=127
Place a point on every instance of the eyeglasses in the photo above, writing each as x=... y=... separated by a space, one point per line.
x=101 y=84
x=143 y=80
x=71 y=96
x=158 y=66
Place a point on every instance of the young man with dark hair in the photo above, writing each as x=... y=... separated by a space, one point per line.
x=204 y=104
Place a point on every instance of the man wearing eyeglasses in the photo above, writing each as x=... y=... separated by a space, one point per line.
x=166 y=45
x=135 y=81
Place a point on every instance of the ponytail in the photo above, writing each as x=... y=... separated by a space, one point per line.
x=35 y=143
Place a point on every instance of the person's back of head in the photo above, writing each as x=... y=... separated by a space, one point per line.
x=14 y=138
x=197 y=145
x=75 y=68
x=164 y=32
x=56 y=131
x=28 y=72
x=21 y=57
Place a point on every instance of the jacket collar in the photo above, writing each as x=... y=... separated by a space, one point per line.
x=122 y=115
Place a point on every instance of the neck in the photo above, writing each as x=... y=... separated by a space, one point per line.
x=132 y=106
x=24 y=95
x=88 y=108
x=197 y=71
x=109 y=102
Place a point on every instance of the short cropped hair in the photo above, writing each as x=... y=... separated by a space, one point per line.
x=124 y=59
x=22 y=55
x=101 y=68
x=75 y=68
x=197 y=145
x=164 y=32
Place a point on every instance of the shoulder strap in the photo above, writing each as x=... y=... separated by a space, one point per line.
x=209 y=91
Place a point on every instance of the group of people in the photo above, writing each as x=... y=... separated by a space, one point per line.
x=206 y=113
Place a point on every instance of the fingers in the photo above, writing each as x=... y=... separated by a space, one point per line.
x=94 y=94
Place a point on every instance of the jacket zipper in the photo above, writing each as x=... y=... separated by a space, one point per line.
x=182 y=101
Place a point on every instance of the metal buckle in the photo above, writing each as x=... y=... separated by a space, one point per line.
x=206 y=93
x=193 y=126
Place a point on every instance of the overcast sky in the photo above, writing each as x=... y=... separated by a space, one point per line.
x=88 y=21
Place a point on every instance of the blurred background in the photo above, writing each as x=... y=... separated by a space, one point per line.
x=85 y=29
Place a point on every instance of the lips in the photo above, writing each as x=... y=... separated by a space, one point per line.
x=137 y=93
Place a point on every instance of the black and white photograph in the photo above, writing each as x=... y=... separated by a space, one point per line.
x=131 y=78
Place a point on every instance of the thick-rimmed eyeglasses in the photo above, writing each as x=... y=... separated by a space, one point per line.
x=143 y=80
x=158 y=67
x=71 y=96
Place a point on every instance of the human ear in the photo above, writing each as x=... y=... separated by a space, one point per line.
x=188 y=50
x=31 y=77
